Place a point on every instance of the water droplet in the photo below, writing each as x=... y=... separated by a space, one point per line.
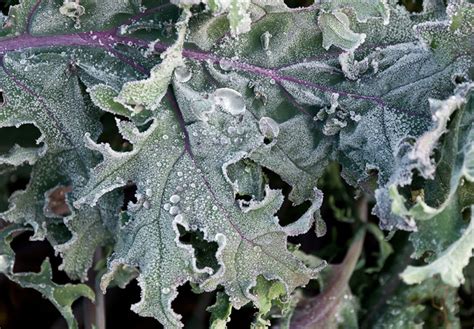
x=272 y=81
x=182 y=74
x=229 y=100
x=146 y=204
x=166 y=206
x=225 y=64
x=265 y=40
x=175 y=198
x=166 y=290
x=179 y=173
x=165 y=137
x=269 y=128
x=214 y=207
x=179 y=218
x=257 y=248
x=174 y=210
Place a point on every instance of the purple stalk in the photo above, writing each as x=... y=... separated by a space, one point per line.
x=108 y=39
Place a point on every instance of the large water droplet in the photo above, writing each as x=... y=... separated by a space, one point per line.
x=269 y=128
x=229 y=100
x=174 y=210
x=182 y=74
x=175 y=198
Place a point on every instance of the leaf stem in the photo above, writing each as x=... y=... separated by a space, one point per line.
x=94 y=315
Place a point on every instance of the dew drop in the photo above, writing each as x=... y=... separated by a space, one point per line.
x=175 y=198
x=174 y=210
x=231 y=130
x=229 y=100
x=269 y=128
x=166 y=290
x=165 y=137
x=179 y=218
x=182 y=74
x=166 y=206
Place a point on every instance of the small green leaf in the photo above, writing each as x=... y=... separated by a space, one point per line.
x=220 y=311
x=62 y=296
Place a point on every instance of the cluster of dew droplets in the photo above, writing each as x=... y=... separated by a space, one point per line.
x=143 y=200
x=73 y=9
x=172 y=207
x=335 y=116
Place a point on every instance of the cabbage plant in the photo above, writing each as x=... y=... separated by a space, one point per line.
x=246 y=126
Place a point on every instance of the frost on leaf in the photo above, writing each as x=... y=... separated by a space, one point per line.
x=449 y=264
x=336 y=31
x=447 y=194
x=335 y=24
x=138 y=95
x=180 y=181
x=363 y=9
x=213 y=115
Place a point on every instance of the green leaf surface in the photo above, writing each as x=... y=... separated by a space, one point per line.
x=209 y=114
